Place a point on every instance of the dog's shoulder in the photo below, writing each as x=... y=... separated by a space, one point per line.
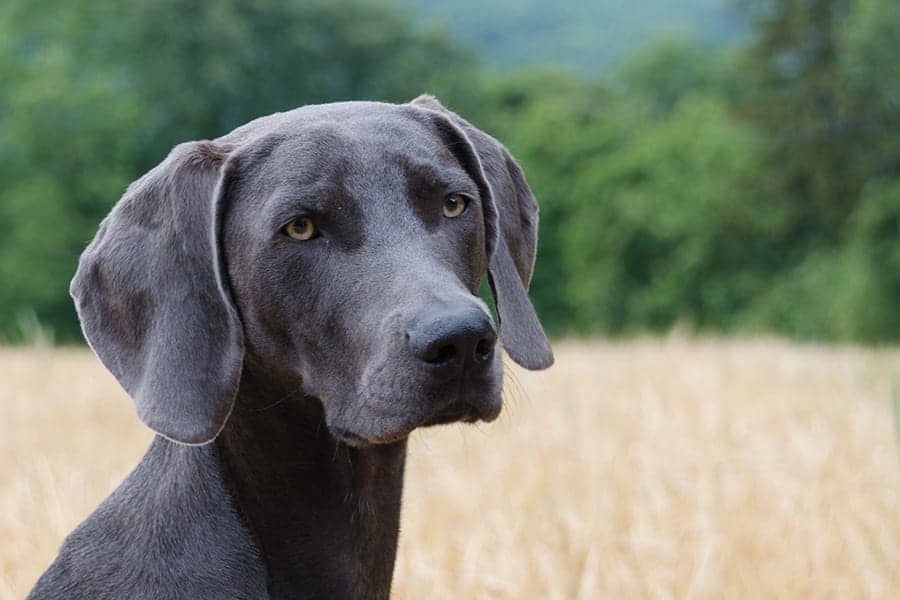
x=169 y=530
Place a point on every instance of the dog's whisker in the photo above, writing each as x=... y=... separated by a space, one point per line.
x=478 y=428
x=516 y=392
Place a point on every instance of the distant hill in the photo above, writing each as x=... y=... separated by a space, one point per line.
x=587 y=35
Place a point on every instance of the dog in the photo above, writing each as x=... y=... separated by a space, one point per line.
x=285 y=304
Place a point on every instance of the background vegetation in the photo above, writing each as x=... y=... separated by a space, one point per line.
x=741 y=173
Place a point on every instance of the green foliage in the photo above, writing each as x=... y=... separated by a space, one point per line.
x=753 y=188
x=678 y=215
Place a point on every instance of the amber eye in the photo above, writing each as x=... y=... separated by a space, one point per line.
x=455 y=205
x=301 y=228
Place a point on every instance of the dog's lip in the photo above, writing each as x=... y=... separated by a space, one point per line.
x=465 y=412
x=452 y=412
x=458 y=411
x=351 y=438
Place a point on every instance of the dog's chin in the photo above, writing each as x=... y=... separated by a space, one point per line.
x=452 y=413
x=462 y=412
x=356 y=440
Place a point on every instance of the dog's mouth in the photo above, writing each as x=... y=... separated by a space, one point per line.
x=356 y=440
x=452 y=413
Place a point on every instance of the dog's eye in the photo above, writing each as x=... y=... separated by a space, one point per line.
x=455 y=205
x=301 y=228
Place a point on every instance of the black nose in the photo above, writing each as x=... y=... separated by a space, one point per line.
x=453 y=338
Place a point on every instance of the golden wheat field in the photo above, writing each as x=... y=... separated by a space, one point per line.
x=675 y=468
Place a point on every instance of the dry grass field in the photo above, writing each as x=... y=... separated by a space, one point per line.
x=674 y=468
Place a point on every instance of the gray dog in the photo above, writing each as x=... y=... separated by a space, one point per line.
x=285 y=304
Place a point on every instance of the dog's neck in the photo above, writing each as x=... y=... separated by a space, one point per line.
x=325 y=515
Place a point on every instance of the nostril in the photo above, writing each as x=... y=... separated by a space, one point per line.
x=440 y=354
x=485 y=348
x=453 y=339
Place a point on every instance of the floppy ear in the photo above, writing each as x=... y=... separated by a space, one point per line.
x=511 y=217
x=153 y=301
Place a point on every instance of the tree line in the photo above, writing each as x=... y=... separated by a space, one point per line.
x=738 y=189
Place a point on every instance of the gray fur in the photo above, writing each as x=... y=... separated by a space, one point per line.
x=284 y=376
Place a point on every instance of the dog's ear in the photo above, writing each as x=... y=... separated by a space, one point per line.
x=511 y=226
x=154 y=302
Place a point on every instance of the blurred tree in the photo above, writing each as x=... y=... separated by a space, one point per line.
x=871 y=75
x=796 y=97
x=674 y=68
x=685 y=237
x=825 y=89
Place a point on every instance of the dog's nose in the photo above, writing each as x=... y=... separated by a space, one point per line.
x=455 y=338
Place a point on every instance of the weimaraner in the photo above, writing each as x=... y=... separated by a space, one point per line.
x=285 y=304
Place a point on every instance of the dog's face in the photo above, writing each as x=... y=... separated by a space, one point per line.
x=355 y=250
x=338 y=250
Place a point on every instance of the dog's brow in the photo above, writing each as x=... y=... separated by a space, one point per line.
x=439 y=178
x=317 y=197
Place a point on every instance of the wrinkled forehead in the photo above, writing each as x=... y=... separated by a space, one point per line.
x=388 y=157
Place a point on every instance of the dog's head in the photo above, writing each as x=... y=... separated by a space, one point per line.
x=338 y=248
